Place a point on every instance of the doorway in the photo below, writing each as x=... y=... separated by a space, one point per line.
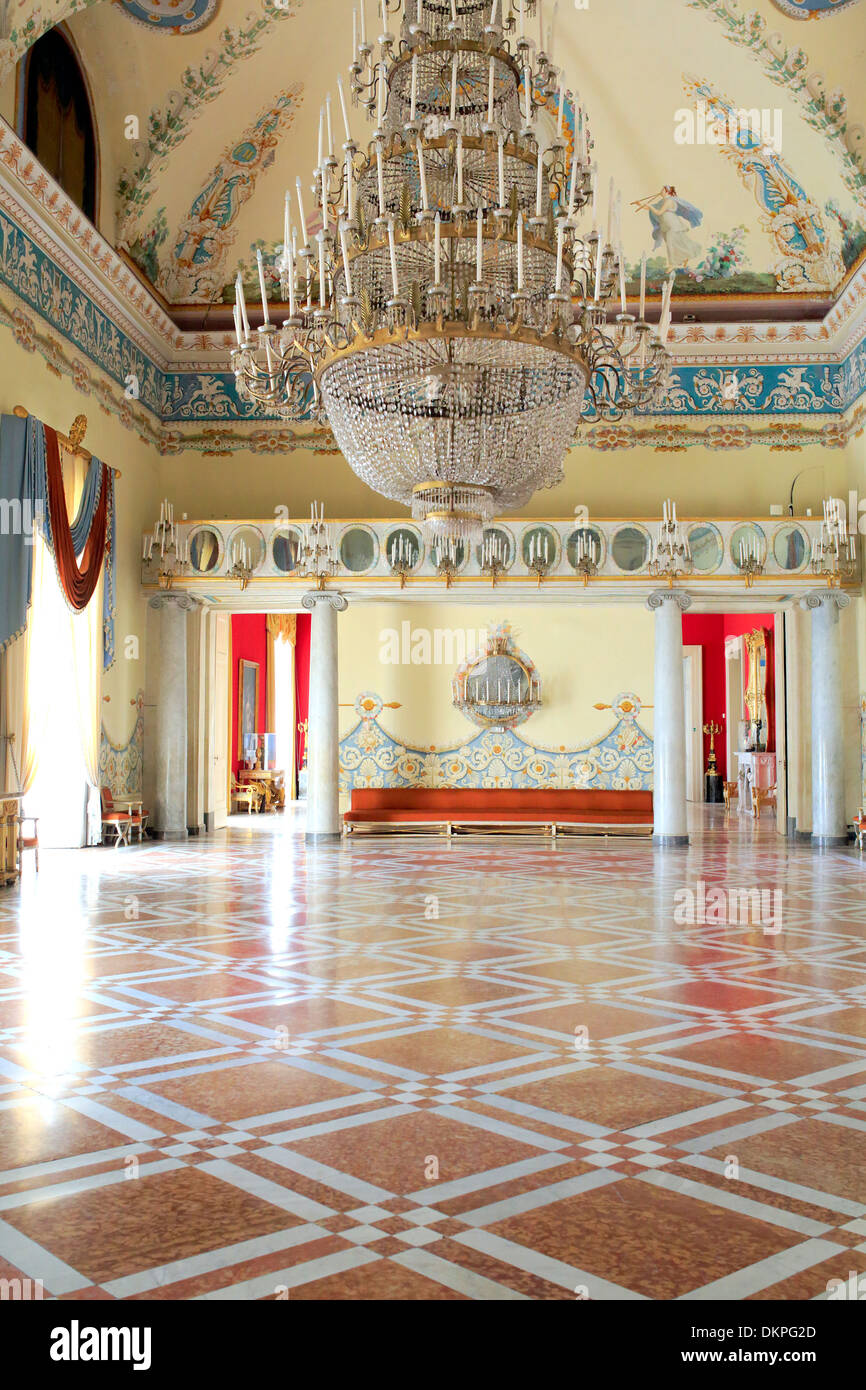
x=693 y=706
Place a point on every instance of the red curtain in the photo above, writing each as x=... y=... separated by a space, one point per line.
x=78 y=585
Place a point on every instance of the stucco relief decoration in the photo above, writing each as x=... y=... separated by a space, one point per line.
x=194 y=270
x=371 y=757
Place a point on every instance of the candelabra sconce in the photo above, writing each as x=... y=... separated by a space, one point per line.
x=499 y=687
x=540 y=567
x=446 y=558
x=241 y=568
x=588 y=567
x=539 y=561
x=672 y=557
x=402 y=558
x=834 y=551
x=494 y=558
x=173 y=552
x=318 y=559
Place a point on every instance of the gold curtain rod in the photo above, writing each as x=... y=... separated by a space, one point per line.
x=73 y=439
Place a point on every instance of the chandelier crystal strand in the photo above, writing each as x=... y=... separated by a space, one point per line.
x=459 y=327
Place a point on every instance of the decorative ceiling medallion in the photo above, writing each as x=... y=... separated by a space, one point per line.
x=177 y=16
x=811 y=9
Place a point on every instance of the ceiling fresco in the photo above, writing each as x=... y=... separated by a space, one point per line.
x=742 y=163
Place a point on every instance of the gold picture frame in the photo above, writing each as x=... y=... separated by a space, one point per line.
x=248 y=701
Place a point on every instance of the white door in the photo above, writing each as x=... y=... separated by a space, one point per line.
x=220 y=718
x=694 y=719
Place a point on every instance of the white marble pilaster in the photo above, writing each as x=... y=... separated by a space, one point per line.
x=670 y=821
x=169 y=820
x=829 y=826
x=323 y=735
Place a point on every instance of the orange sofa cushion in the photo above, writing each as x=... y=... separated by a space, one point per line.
x=581 y=806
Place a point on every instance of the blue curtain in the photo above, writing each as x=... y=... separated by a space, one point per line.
x=23 y=499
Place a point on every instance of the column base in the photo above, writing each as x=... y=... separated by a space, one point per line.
x=322 y=837
x=828 y=841
x=169 y=834
x=668 y=841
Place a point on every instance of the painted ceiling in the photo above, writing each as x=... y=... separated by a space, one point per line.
x=207 y=111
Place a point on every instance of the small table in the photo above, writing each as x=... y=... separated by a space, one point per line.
x=755 y=770
x=271 y=781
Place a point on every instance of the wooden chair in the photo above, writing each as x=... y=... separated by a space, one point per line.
x=120 y=822
x=28 y=841
x=130 y=806
x=759 y=796
x=731 y=790
x=245 y=793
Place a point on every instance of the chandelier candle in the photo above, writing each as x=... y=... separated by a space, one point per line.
x=422 y=177
x=344 y=109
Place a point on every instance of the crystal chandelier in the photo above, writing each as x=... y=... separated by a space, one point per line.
x=451 y=318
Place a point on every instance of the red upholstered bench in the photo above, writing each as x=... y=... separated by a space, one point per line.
x=590 y=811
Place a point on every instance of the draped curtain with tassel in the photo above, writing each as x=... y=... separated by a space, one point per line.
x=81 y=554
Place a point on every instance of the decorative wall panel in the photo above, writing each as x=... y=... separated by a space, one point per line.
x=371 y=757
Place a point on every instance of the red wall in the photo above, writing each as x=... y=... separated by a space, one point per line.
x=249 y=643
x=708 y=631
x=302 y=681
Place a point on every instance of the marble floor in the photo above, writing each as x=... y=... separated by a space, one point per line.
x=238 y=1068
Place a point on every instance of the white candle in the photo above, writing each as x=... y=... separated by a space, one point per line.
x=328 y=126
x=344 y=109
x=460 y=169
x=354 y=35
x=493 y=12
x=321 y=271
x=479 y=246
x=610 y=202
x=523 y=19
x=621 y=279
x=561 y=107
x=454 y=87
x=501 y=172
x=490 y=93
x=380 y=93
x=363 y=24
x=321 y=137
x=595 y=197
x=347 y=271
x=237 y=317
x=286 y=231
x=301 y=210
x=323 y=174
x=572 y=192
x=413 y=97
x=538 y=182
x=598 y=259
x=643 y=286
x=527 y=90
x=239 y=290
x=437 y=250
x=380 y=176
x=395 y=285
x=520 y=251
x=290 y=253
x=422 y=175
x=559 y=236
x=454 y=11
x=540 y=26
x=350 y=188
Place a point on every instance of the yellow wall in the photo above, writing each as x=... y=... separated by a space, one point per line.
x=584 y=655
x=623 y=482
x=27 y=381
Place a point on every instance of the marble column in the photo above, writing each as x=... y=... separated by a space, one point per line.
x=670 y=821
x=169 y=817
x=323 y=735
x=829 y=825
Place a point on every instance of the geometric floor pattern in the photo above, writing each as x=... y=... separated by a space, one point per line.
x=239 y=1068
